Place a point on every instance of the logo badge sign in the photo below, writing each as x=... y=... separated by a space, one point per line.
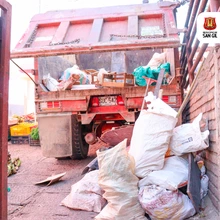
x=208 y=27
x=209 y=23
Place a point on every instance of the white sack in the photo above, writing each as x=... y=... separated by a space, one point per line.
x=86 y=194
x=50 y=82
x=174 y=172
x=100 y=75
x=160 y=203
x=156 y=60
x=160 y=107
x=149 y=141
x=117 y=179
x=188 y=138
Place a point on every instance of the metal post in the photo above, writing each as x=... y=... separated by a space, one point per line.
x=198 y=58
x=5 y=28
x=214 y=5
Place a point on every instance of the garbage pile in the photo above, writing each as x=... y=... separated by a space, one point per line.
x=74 y=76
x=146 y=179
x=13 y=165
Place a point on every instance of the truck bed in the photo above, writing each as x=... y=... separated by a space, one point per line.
x=80 y=92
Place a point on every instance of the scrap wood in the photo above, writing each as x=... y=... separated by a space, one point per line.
x=117 y=135
x=52 y=179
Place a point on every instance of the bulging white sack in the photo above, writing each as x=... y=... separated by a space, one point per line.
x=174 y=172
x=150 y=140
x=117 y=179
x=188 y=138
x=162 y=204
x=50 y=82
x=86 y=194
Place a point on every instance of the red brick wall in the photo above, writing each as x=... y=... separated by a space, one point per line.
x=205 y=98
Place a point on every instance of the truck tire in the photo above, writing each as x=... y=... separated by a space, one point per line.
x=79 y=146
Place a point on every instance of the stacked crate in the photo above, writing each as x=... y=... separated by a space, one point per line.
x=20 y=133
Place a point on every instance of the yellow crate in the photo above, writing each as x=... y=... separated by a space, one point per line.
x=22 y=129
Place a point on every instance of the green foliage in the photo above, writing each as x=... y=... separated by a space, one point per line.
x=35 y=134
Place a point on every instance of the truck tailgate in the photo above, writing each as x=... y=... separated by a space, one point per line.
x=106 y=29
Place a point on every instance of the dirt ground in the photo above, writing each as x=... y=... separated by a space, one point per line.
x=36 y=202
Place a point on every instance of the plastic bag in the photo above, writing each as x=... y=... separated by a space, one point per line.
x=174 y=172
x=160 y=203
x=149 y=141
x=86 y=194
x=204 y=186
x=100 y=75
x=156 y=60
x=117 y=179
x=50 y=82
x=188 y=138
x=146 y=71
x=76 y=74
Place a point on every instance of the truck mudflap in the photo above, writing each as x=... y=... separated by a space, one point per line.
x=55 y=131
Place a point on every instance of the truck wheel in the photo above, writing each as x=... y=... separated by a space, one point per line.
x=79 y=146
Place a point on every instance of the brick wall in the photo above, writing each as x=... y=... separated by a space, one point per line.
x=205 y=98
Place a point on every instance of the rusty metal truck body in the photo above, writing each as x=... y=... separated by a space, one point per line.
x=64 y=117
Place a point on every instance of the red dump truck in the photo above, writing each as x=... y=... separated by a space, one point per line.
x=96 y=37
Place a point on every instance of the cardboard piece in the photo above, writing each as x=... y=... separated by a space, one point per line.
x=52 y=179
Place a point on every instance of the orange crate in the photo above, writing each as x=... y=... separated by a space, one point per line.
x=22 y=129
x=117 y=79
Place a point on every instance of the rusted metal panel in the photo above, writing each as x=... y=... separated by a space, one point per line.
x=107 y=109
x=61 y=32
x=78 y=100
x=133 y=60
x=133 y=25
x=118 y=134
x=60 y=131
x=134 y=103
x=133 y=91
x=96 y=30
x=104 y=29
x=194 y=183
x=5 y=28
x=77 y=105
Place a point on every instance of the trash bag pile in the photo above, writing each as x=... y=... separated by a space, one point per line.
x=146 y=179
